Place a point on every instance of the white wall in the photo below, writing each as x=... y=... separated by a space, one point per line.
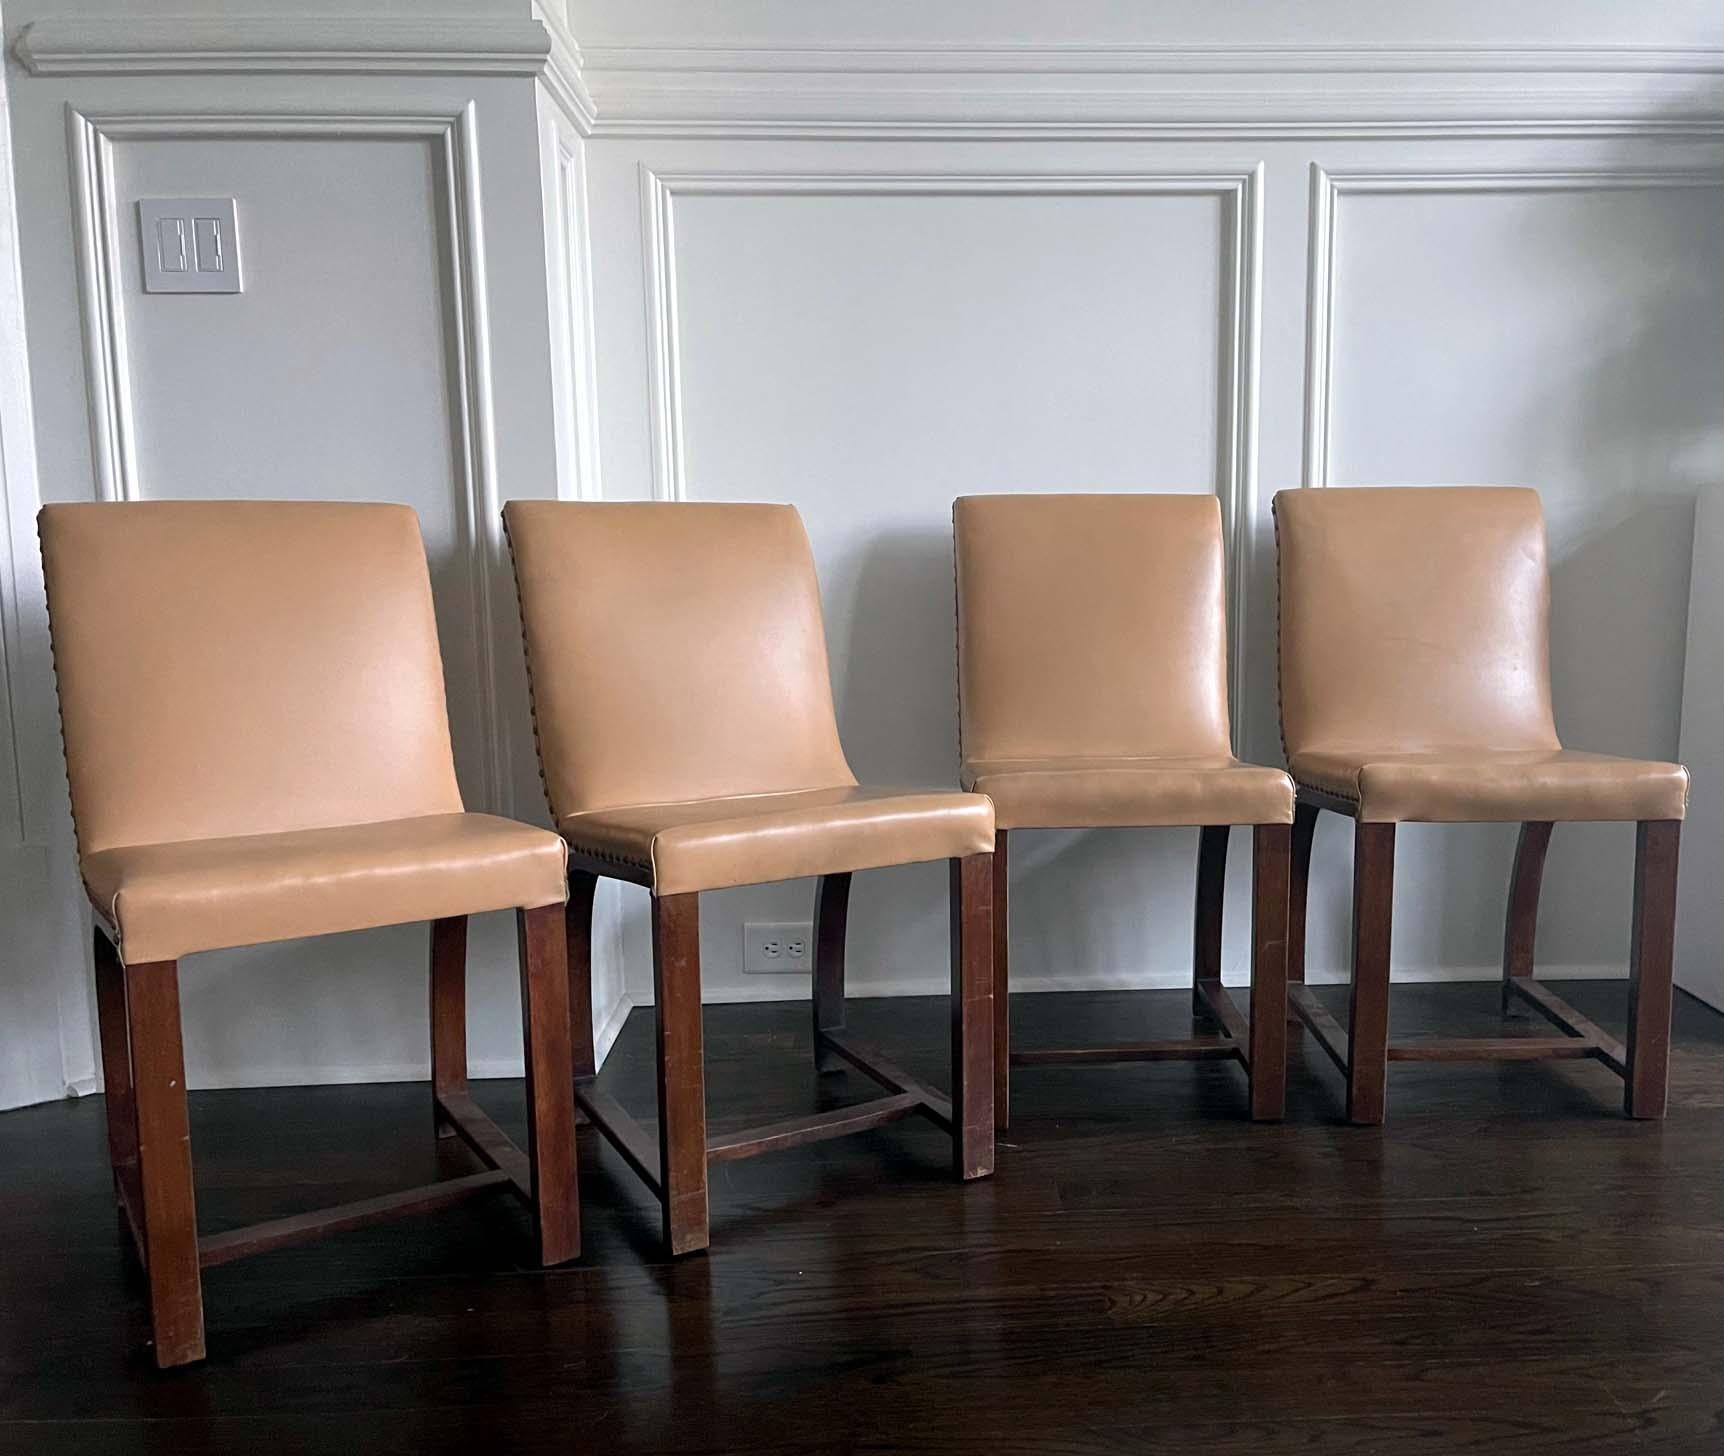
x=1700 y=911
x=864 y=258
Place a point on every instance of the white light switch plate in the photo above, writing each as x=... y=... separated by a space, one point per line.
x=768 y=948
x=190 y=244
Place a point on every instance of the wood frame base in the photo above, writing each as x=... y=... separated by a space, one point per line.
x=1258 y=1041
x=149 y=1137
x=674 y=1163
x=1364 y=1050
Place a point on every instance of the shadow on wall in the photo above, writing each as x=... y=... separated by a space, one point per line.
x=1620 y=450
x=1650 y=431
x=894 y=672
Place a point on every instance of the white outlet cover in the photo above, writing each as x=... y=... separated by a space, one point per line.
x=777 y=947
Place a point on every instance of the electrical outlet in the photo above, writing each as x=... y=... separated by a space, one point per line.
x=771 y=947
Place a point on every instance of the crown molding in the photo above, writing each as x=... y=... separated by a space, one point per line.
x=1043 y=60
x=1075 y=91
x=562 y=76
x=954 y=91
x=188 y=46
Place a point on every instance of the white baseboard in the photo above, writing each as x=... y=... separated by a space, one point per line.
x=299 y=1075
x=796 y=988
x=481 y=1069
x=1708 y=997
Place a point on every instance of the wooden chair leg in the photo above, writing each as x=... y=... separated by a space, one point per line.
x=578 y=947
x=1298 y=893
x=1271 y=855
x=681 y=1071
x=165 y=1162
x=1002 y=988
x=972 y=927
x=1368 y=1016
x=1210 y=900
x=550 y=1082
x=1656 y=848
x=116 y=1058
x=1521 y=926
x=831 y=919
x=448 y=1014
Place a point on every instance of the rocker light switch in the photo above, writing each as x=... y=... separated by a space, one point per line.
x=190 y=244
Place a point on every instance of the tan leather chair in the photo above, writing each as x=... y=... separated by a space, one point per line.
x=688 y=742
x=251 y=696
x=1092 y=693
x=1415 y=687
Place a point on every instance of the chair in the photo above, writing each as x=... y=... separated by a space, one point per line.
x=251 y=695
x=688 y=742
x=1092 y=693
x=1415 y=688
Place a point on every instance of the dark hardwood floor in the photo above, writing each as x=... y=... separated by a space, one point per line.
x=1508 y=1265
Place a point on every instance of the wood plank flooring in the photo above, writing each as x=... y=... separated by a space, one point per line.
x=1507 y=1266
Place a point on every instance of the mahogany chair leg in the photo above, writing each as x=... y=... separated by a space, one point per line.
x=1211 y=897
x=578 y=947
x=1368 y=1016
x=1656 y=849
x=1271 y=856
x=448 y=1014
x=116 y=1058
x=681 y=1071
x=831 y=919
x=1002 y=990
x=550 y=1082
x=1298 y=892
x=1520 y=929
x=972 y=928
x=165 y=1162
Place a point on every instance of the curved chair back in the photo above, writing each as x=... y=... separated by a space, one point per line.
x=676 y=652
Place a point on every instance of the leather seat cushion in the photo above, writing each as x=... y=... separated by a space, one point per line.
x=165 y=901
x=713 y=844
x=1472 y=785
x=1075 y=793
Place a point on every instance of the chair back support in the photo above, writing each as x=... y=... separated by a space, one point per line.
x=1091 y=626
x=676 y=652
x=1413 y=618
x=244 y=667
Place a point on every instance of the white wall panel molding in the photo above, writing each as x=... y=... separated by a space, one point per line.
x=1327 y=190
x=1240 y=322
x=574 y=357
x=574 y=377
x=23 y=715
x=1087 y=91
x=113 y=435
x=429 y=45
